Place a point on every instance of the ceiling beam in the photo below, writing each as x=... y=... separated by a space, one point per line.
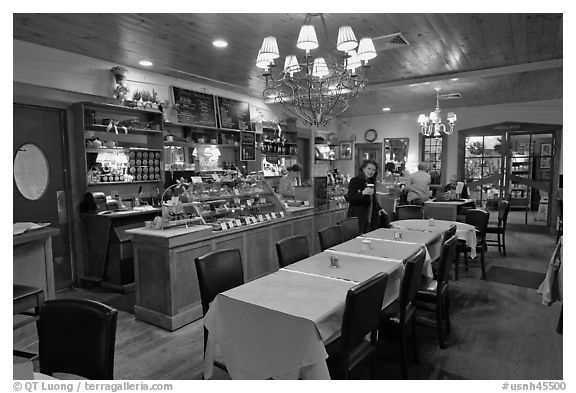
x=485 y=72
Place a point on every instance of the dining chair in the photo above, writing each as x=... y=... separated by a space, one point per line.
x=26 y=309
x=409 y=212
x=478 y=218
x=434 y=295
x=292 y=249
x=350 y=228
x=451 y=231
x=399 y=317
x=26 y=299
x=500 y=229
x=385 y=219
x=77 y=336
x=361 y=318
x=330 y=236
x=217 y=271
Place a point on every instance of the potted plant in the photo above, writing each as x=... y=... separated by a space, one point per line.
x=121 y=92
x=119 y=73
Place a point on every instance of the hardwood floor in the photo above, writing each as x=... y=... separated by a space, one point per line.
x=499 y=331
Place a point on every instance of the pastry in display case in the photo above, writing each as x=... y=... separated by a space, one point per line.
x=224 y=202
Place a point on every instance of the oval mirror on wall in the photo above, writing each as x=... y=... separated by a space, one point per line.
x=31 y=171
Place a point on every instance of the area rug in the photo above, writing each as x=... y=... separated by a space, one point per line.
x=123 y=302
x=521 y=278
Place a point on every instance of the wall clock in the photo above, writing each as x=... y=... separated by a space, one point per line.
x=370 y=135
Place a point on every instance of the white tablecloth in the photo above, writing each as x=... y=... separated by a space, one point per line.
x=432 y=240
x=276 y=326
x=464 y=231
x=391 y=250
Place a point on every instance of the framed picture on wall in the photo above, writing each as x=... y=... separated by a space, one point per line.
x=545 y=162
x=345 y=150
x=546 y=149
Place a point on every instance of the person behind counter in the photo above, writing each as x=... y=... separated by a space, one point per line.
x=289 y=180
x=418 y=185
x=362 y=197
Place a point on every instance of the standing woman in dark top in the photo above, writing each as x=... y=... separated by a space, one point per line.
x=363 y=203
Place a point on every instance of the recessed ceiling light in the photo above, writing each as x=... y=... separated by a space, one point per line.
x=146 y=63
x=220 y=44
x=454 y=79
x=386 y=109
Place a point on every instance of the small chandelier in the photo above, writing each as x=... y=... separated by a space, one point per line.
x=433 y=124
x=310 y=88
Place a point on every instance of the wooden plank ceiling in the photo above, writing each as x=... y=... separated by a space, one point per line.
x=487 y=58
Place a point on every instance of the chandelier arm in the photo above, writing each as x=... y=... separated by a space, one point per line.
x=295 y=109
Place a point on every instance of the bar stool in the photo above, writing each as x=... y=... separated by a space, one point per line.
x=25 y=299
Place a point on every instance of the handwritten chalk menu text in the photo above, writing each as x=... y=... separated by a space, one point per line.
x=195 y=109
x=234 y=115
x=248 y=146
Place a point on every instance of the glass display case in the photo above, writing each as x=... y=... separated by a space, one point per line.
x=223 y=201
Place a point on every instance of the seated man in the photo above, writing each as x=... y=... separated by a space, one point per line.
x=418 y=185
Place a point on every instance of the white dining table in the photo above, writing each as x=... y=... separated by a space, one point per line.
x=464 y=231
x=432 y=240
x=380 y=248
x=276 y=326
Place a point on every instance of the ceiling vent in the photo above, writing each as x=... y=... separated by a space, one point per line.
x=391 y=41
x=450 y=96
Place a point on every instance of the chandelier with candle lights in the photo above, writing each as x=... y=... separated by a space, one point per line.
x=310 y=88
x=432 y=125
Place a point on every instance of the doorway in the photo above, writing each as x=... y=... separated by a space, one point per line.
x=369 y=151
x=516 y=162
x=43 y=129
x=529 y=177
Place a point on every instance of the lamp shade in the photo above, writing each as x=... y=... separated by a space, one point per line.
x=320 y=68
x=307 y=38
x=353 y=61
x=291 y=65
x=422 y=119
x=366 y=50
x=451 y=117
x=269 y=48
x=346 y=39
x=263 y=61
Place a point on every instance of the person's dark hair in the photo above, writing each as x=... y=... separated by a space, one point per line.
x=294 y=168
x=364 y=164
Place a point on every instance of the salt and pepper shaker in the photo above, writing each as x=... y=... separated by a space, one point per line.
x=431 y=222
x=366 y=244
x=334 y=262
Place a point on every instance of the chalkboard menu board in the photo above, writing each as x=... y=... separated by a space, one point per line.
x=248 y=146
x=234 y=115
x=195 y=109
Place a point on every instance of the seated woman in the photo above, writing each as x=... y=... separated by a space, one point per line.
x=453 y=185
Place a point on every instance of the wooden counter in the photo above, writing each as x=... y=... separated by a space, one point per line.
x=33 y=265
x=109 y=250
x=167 y=293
